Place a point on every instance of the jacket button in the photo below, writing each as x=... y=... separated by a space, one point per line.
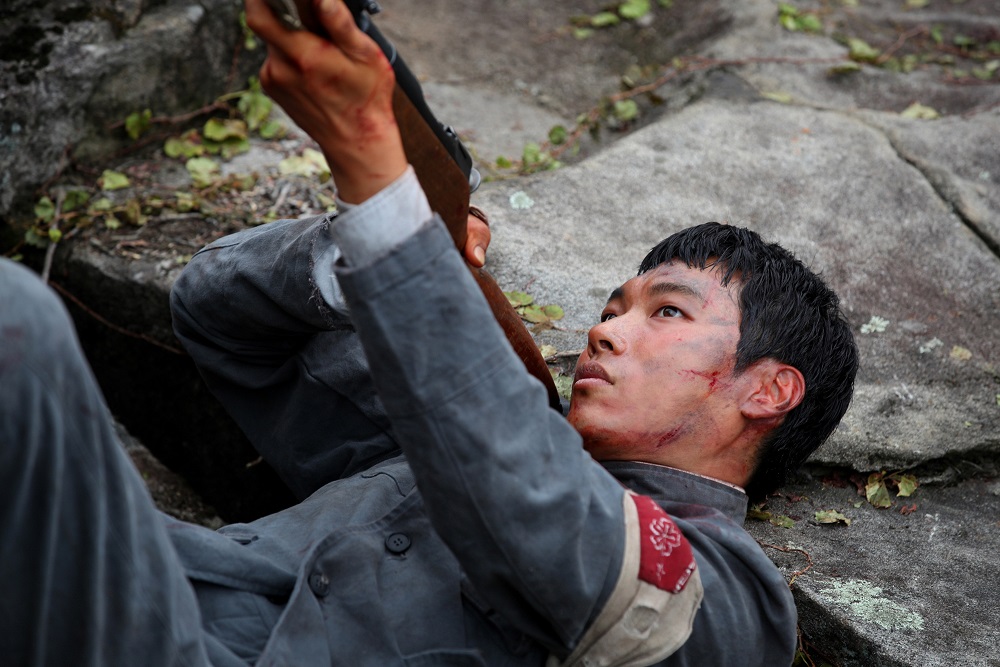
x=319 y=583
x=397 y=543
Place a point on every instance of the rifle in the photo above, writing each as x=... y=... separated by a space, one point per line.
x=442 y=164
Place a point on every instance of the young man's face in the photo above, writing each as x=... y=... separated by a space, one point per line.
x=656 y=380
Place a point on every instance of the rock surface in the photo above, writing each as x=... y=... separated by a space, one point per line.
x=902 y=216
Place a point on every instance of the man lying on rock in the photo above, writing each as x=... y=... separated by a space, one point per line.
x=448 y=515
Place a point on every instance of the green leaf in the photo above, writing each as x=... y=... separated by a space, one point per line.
x=36 y=239
x=666 y=4
x=76 y=199
x=203 y=171
x=310 y=164
x=547 y=351
x=876 y=492
x=916 y=4
x=219 y=129
x=778 y=96
x=564 y=385
x=860 y=50
x=504 y=163
x=831 y=517
x=98 y=206
x=553 y=312
x=137 y=123
x=963 y=41
x=55 y=235
x=112 y=222
x=919 y=111
x=186 y=146
x=810 y=23
x=45 y=210
x=532 y=154
x=582 y=33
x=112 y=180
x=534 y=314
x=626 y=110
x=232 y=147
x=518 y=299
x=785 y=9
x=907 y=485
x=788 y=22
x=272 y=129
x=255 y=106
x=782 y=521
x=937 y=35
x=758 y=513
x=848 y=67
x=633 y=9
x=558 y=135
x=604 y=19
x=186 y=202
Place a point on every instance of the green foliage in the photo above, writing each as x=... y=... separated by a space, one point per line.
x=524 y=305
x=759 y=513
x=136 y=124
x=203 y=171
x=831 y=517
x=627 y=10
x=848 y=67
x=861 y=51
x=558 y=135
x=626 y=110
x=254 y=105
x=919 y=111
x=633 y=9
x=877 y=487
x=113 y=180
x=311 y=164
x=45 y=210
x=794 y=19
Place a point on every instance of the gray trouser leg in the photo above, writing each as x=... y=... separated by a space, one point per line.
x=88 y=575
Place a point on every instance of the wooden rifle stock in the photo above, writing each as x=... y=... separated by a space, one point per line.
x=437 y=167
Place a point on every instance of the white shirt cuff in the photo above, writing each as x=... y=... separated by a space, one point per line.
x=369 y=230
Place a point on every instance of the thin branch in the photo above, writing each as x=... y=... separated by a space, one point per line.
x=919 y=30
x=798 y=573
x=50 y=252
x=114 y=327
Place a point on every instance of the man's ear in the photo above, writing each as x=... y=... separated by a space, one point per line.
x=780 y=389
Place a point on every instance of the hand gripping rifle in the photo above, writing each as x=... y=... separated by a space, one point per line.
x=442 y=164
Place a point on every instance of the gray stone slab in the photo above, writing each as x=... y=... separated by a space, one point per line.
x=961 y=159
x=893 y=589
x=806 y=59
x=833 y=190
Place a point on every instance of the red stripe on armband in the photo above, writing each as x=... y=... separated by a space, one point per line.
x=666 y=560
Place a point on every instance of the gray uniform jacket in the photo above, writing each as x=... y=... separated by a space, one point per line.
x=448 y=515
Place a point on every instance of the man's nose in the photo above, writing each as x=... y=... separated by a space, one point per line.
x=606 y=337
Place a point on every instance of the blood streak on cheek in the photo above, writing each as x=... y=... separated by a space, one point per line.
x=669 y=436
x=712 y=378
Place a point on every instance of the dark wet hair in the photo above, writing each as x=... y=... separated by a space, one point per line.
x=787 y=313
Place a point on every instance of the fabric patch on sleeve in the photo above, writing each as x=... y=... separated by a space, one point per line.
x=666 y=560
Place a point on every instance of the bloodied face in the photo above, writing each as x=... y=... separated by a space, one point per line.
x=656 y=381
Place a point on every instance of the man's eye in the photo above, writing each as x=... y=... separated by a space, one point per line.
x=669 y=311
x=607 y=316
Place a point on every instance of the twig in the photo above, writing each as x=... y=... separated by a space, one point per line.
x=50 y=252
x=114 y=327
x=798 y=573
x=568 y=354
x=899 y=43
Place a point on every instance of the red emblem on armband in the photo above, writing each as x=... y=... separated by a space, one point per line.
x=666 y=560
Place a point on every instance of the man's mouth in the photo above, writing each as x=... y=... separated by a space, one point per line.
x=591 y=372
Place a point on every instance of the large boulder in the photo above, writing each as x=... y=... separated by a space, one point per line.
x=71 y=71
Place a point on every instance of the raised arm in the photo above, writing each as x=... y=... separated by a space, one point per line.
x=543 y=532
